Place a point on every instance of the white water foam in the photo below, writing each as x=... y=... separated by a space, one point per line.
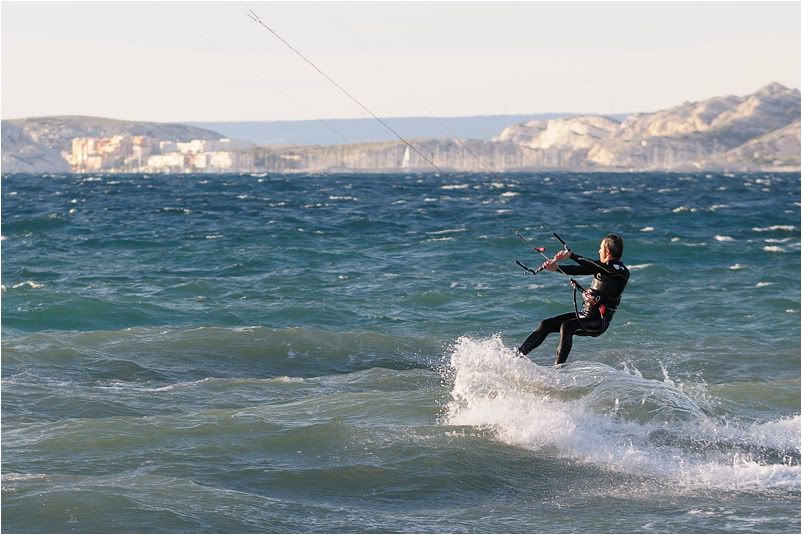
x=785 y=228
x=445 y=231
x=683 y=208
x=11 y=482
x=619 y=421
x=30 y=284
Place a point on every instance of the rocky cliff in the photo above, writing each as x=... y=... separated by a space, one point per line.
x=755 y=131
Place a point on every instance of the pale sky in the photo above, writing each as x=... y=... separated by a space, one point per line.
x=207 y=61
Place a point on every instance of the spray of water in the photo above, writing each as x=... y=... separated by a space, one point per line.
x=616 y=420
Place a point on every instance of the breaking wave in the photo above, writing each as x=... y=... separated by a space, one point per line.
x=620 y=421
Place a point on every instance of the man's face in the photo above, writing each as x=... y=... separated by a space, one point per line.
x=603 y=254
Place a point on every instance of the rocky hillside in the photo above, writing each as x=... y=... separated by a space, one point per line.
x=21 y=154
x=778 y=147
x=755 y=131
x=35 y=145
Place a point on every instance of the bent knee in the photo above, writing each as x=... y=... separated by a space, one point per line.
x=568 y=328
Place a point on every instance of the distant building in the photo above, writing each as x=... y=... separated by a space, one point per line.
x=170 y=162
x=141 y=153
x=95 y=154
x=168 y=146
x=192 y=147
x=141 y=149
x=229 y=161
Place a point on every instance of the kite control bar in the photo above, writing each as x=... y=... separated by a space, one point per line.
x=540 y=250
x=573 y=281
x=527 y=268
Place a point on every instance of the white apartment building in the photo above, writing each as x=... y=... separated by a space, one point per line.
x=172 y=161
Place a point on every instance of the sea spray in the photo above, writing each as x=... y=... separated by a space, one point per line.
x=593 y=414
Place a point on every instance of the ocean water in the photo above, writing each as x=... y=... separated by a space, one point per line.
x=335 y=353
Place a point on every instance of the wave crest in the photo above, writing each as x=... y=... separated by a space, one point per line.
x=595 y=414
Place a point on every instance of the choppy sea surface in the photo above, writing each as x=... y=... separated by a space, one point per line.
x=310 y=353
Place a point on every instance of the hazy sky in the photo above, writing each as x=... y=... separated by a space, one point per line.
x=207 y=61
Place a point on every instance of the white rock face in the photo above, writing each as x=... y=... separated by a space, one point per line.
x=581 y=132
x=684 y=119
x=523 y=133
x=767 y=109
x=691 y=135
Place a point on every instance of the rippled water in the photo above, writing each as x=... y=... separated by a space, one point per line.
x=335 y=354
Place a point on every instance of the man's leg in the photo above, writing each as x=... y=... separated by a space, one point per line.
x=547 y=326
x=569 y=328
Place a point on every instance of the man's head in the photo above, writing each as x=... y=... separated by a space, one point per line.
x=611 y=246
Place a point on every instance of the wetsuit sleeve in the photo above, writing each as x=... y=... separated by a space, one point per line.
x=577 y=270
x=588 y=267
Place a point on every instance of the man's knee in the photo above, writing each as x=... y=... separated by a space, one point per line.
x=568 y=328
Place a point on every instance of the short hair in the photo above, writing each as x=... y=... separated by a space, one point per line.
x=614 y=244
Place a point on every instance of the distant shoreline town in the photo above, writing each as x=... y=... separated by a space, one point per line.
x=760 y=131
x=142 y=154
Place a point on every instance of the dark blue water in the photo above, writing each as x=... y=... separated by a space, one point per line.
x=334 y=354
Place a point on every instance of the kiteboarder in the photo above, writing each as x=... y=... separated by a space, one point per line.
x=610 y=276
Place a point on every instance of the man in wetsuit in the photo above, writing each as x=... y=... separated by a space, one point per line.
x=610 y=277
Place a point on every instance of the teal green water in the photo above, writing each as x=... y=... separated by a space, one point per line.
x=309 y=353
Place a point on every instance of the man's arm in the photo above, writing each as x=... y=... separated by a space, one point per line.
x=590 y=267
x=577 y=270
x=586 y=265
x=552 y=265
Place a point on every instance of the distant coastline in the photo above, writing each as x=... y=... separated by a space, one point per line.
x=368 y=130
x=760 y=131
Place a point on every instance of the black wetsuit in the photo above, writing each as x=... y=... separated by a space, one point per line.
x=609 y=280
